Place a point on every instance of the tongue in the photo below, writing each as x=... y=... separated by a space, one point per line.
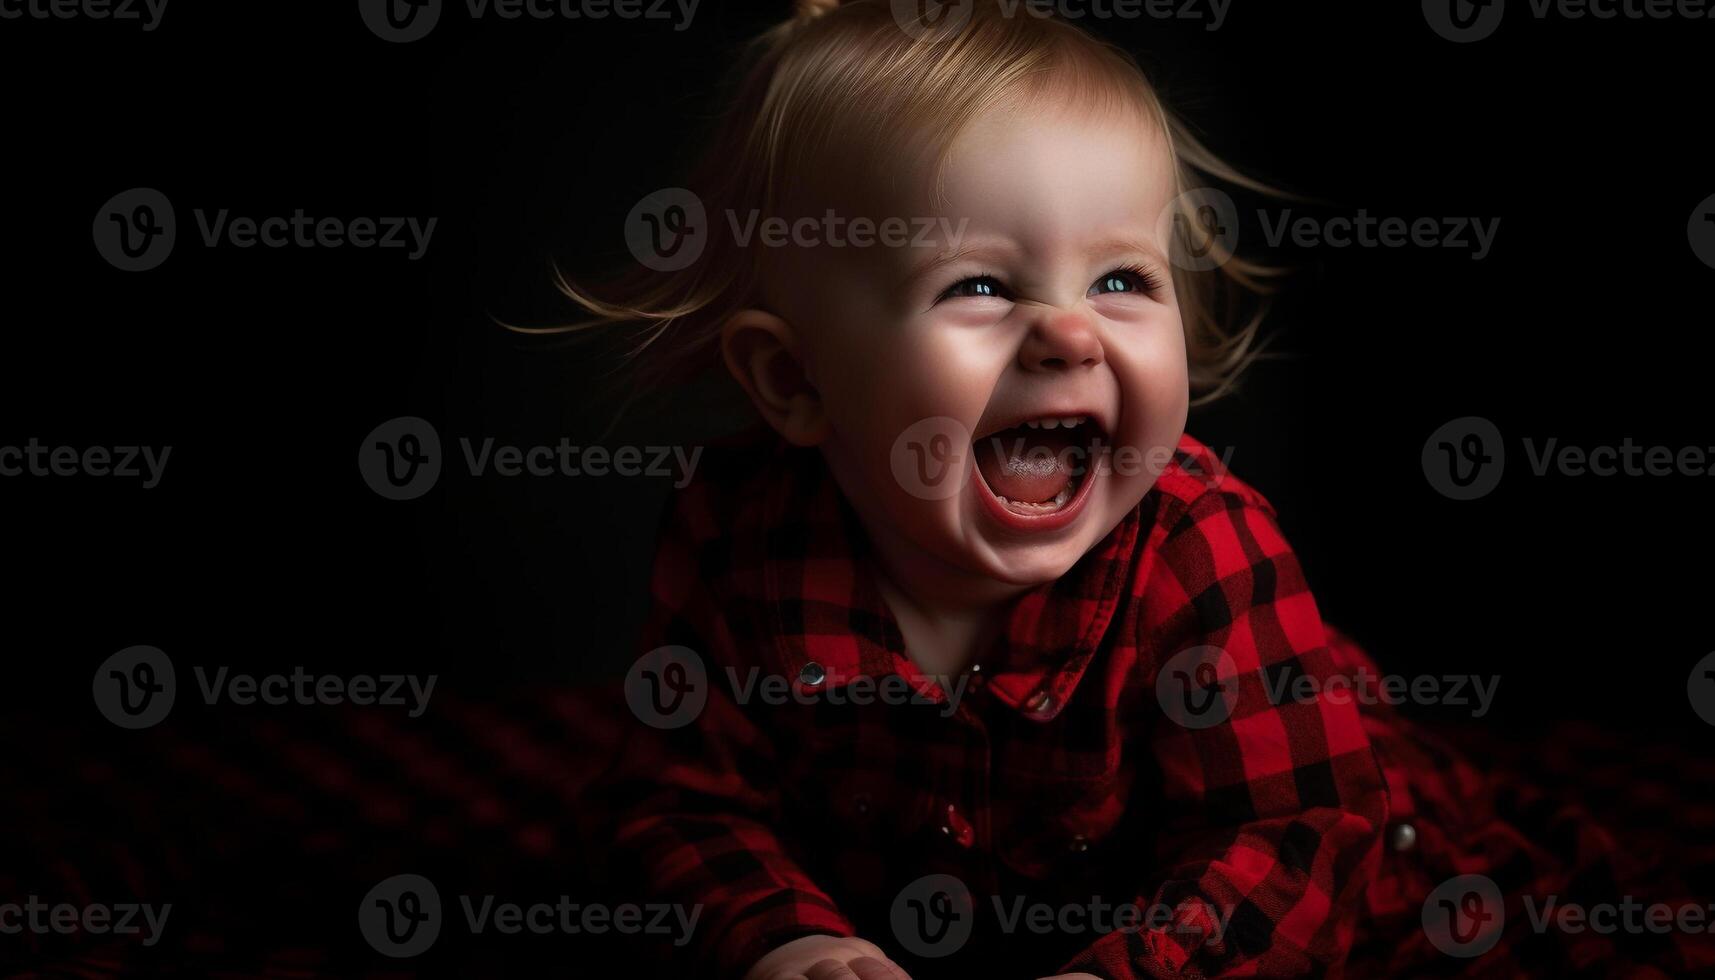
x=1027 y=464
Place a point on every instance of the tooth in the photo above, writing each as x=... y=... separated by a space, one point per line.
x=1068 y=422
x=1051 y=423
x=1034 y=425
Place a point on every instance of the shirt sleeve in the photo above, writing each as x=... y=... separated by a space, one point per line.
x=687 y=810
x=1275 y=802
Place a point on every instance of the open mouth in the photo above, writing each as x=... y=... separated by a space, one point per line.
x=1036 y=473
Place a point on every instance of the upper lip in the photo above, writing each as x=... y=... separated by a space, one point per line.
x=1091 y=416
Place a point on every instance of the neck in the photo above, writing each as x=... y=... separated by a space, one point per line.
x=948 y=616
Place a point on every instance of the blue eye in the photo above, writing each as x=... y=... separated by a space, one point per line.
x=975 y=286
x=1131 y=280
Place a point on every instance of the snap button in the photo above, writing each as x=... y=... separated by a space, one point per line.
x=1404 y=837
x=812 y=675
x=1078 y=844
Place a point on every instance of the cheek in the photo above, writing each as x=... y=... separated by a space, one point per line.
x=874 y=387
x=1149 y=361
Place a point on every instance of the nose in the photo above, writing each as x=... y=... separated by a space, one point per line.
x=1060 y=340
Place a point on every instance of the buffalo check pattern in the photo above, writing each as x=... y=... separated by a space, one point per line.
x=248 y=820
x=1055 y=775
x=1271 y=840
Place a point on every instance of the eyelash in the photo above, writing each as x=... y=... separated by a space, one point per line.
x=1144 y=281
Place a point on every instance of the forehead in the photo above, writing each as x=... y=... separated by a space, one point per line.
x=1058 y=168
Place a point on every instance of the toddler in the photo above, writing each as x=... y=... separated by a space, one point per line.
x=976 y=630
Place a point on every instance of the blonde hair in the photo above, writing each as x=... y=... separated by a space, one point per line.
x=847 y=81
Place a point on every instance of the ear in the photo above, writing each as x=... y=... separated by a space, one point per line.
x=761 y=351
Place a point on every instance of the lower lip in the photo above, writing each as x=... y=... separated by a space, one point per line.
x=1036 y=523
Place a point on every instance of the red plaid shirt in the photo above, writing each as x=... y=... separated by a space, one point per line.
x=1058 y=778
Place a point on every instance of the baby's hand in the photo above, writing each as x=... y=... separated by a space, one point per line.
x=826 y=958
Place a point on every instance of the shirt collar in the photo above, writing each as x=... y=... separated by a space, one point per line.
x=832 y=626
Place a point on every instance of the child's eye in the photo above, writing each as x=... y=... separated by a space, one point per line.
x=1129 y=280
x=975 y=286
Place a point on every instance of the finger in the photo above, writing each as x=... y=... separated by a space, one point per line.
x=877 y=968
x=830 y=970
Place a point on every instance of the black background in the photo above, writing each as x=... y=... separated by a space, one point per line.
x=263 y=369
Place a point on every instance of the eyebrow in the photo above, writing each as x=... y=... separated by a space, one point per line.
x=958 y=254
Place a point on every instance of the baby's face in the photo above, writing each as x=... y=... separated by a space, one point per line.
x=949 y=373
